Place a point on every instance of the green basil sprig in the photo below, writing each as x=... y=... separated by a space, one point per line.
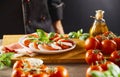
x=5 y=59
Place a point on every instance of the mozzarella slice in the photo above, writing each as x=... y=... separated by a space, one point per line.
x=41 y=48
x=55 y=46
x=34 y=62
x=31 y=46
x=67 y=43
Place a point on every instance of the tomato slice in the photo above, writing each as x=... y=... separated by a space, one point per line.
x=48 y=47
x=33 y=35
x=26 y=42
x=35 y=45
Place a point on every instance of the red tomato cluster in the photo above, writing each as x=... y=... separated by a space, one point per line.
x=107 y=44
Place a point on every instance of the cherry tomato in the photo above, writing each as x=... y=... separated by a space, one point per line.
x=100 y=37
x=61 y=72
x=109 y=35
x=108 y=46
x=92 y=43
x=93 y=56
x=104 y=65
x=117 y=40
x=91 y=68
x=115 y=57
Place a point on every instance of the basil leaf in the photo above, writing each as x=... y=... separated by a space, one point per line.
x=42 y=36
x=51 y=34
x=5 y=59
x=114 y=69
x=72 y=35
x=107 y=73
x=97 y=74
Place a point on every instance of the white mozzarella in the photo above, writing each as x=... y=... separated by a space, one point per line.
x=31 y=46
x=55 y=46
x=66 y=43
x=34 y=61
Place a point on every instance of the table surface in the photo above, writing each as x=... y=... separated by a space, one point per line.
x=74 y=69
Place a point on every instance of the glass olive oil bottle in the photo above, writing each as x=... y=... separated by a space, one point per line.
x=99 y=25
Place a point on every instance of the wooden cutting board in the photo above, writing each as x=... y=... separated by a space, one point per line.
x=77 y=55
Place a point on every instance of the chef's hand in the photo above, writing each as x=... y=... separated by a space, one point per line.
x=58 y=27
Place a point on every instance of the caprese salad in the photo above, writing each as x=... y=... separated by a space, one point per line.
x=41 y=41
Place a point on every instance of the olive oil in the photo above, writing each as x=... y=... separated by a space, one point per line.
x=99 y=25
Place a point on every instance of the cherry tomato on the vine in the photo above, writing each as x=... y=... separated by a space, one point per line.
x=104 y=65
x=92 y=43
x=91 y=68
x=115 y=57
x=117 y=40
x=93 y=56
x=108 y=46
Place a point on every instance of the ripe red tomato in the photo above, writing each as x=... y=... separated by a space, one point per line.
x=61 y=72
x=100 y=37
x=104 y=65
x=115 y=57
x=91 y=68
x=92 y=43
x=93 y=56
x=108 y=46
x=117 y=40
x=109 y=34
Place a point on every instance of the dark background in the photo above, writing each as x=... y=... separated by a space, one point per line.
x=76 y=15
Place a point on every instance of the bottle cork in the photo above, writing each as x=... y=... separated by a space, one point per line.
x=99 y=14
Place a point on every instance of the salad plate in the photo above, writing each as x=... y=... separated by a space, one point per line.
x=47 y=45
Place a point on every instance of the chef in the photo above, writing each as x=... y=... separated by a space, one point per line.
x=43 y=14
